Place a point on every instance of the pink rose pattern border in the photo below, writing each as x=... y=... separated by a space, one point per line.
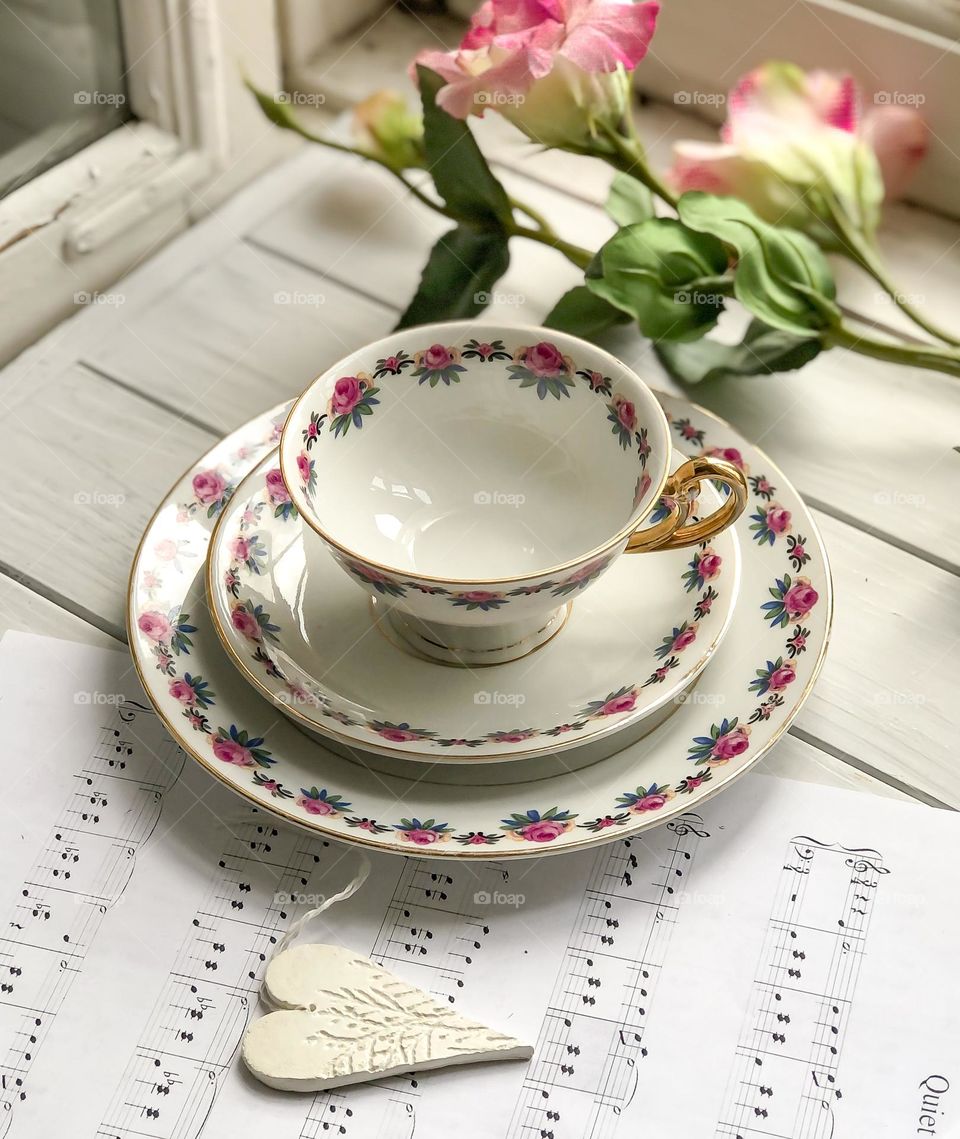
x=541 y=366
x=793 y=598
x=254 y=624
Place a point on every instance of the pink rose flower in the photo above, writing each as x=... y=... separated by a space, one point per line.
x=209 y=486
x=795 y=143
x=731 y=454
x=437 y=357
x=347 y=393
x=649 y=803
x=516 y=737
x=155 y=626
x=546 y=830
x=420 y=837
x=606 y=821
x=270 y=785
x=245 y=623
x=626 y=412
x=781 y=677
x=694 y=781
x=230 y=752
x=709 y=564
x=730 y=745
x=555 y=68
x=303 y=466
x=588 y=570
x=166 y=549
x=800 y=598
x=624 y=703
x=595 y=380
x=544 y=359
x=397 y=735
x=240 y=549
x=687 y=637
x=479 y=595
x=314 y=806
x=799 y=551
x=276 y=487
x=476 y=840
x=180 y=690
x=778 y=519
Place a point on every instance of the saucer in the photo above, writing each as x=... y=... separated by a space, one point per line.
x=757 y=682
x=302 y=633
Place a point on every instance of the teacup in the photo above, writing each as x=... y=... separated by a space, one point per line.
x=476 y=478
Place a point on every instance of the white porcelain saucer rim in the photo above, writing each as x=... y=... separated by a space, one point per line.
x=362 y=745
x=674 y=814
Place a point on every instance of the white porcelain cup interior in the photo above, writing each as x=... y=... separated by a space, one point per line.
x=526 y=454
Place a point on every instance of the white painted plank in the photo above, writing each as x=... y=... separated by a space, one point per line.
x=792 y=758
x=887 y=694
x=359 y=225
x=26 y=611
x=240 y=332
x=85 y=464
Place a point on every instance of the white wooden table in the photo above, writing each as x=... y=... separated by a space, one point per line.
x=319 y=256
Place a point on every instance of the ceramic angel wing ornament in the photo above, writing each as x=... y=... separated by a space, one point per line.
x=341 y=1019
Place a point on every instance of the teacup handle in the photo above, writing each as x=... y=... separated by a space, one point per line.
x=674 y=532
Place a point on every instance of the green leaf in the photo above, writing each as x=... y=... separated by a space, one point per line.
x=763 y=351
x=456 y=164
x=628 y=201
x=668 y=277
x=782 y=277
x=463 y=265
x=582 y=313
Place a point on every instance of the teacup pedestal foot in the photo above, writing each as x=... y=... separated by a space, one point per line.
x=472 y=647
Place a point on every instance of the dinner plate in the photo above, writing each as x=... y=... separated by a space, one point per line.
x=757 y=681
x=303 y=634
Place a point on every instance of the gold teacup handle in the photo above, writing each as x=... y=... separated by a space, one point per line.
x=674 y=532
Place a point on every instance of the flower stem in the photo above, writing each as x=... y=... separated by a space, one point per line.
x=913 y=356
x=543 y=233
x=628 y=157
x=575 y=253
x=862 y=252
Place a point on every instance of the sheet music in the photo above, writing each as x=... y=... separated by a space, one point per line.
x=778 y=964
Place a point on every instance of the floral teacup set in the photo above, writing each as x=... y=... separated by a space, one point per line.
x=424 y=627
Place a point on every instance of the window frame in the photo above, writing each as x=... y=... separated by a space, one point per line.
x=69 y=233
